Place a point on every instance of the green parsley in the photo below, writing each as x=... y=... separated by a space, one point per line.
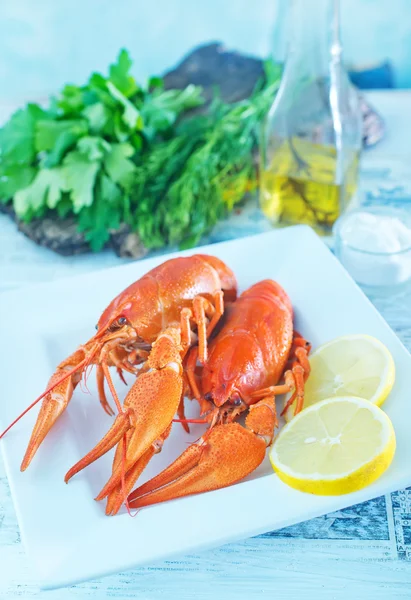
x=112 y=152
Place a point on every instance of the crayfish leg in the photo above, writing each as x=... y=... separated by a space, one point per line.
x=300 y=369
x=181 y=415
x=206 y=315
x=101 y=391
x=262 y=419
x=294 y=377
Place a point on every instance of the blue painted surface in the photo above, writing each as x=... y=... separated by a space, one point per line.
x=401 y=506
x=45 y=43
x=365 y=521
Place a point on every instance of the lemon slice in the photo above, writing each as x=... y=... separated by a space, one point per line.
x=352 y=365
x=336 y=446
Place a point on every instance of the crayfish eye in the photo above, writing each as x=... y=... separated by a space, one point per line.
x=117 y=324
x=236 y=399
x=96 y=327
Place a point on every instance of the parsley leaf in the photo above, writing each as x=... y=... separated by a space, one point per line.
x=64 y=142
x=162 y=109
x=17 y=136
x=97 y=220
x=131 y=115
x=119 y=167
x=80 y=174
x=47 y=133
x=44 y=191
x=14 y=178
x=93 y=148
x=97 y=116
x=71 y=100
x=120 y=77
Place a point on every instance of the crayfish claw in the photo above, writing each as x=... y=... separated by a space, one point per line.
x=120 y=426
x=58 y=394
x=225 y=455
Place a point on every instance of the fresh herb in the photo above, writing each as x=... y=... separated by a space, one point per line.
x=79 y=155
x=112 y=152
x=185 y=185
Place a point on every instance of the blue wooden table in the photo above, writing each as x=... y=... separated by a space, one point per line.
x=360 y=552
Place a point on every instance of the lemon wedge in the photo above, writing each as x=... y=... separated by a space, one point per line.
x=352 y=365
x=333 y=447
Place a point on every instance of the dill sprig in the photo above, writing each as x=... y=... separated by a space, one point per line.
x=185 y=185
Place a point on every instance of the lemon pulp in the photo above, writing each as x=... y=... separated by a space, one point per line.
x=336 y=446
x=352 y=365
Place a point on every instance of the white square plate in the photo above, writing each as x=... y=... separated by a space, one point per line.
x=67 y=535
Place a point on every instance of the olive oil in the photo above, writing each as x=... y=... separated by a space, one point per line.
x=312 y=136
x=300 y=186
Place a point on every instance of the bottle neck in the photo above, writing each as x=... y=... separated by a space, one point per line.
x=314 y=44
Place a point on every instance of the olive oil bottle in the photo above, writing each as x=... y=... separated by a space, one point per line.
x=312 y=136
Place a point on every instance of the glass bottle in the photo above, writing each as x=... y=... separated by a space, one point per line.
x=312 y=136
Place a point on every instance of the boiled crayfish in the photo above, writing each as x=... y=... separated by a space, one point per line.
x=159 y=329
x=154 y=321
x=255 y=349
